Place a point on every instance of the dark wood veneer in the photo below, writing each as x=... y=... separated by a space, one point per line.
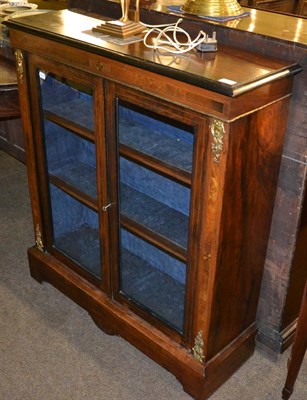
x=196 y=70
x=233 y=186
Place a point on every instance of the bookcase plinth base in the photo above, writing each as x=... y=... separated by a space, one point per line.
x=199 y=380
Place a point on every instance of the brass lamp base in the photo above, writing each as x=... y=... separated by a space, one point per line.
x=212 y=8
x=120 y=29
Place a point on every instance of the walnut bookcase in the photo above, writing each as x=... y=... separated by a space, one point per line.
x=152 y=183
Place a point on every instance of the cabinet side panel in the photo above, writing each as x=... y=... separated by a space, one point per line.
x=298 y=272
x=255 y=146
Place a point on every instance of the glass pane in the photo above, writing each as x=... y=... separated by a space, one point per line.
x=158 y=137
x=154 y=201
x=70 y=158
x=152 y=279
x=72 y=102
x=75 y=230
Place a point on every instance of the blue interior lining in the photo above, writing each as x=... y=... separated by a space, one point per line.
x=158 y=259
x=156 y=186
x=67 y=102
x=154 y=289
x=75 y=230
x=71 y=158
x=157 y=139
x=167 y=222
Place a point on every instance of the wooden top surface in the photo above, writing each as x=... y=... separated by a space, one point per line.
x=245 y=70
x=276 y=25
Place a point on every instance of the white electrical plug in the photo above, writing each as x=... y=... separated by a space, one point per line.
x=208 y=45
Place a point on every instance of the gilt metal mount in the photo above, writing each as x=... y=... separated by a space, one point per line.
x=217 y=132
x=198 y=349
x=38 y=238
x=19 y=64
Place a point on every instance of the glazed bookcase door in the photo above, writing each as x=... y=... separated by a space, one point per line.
x=73 y=183
x=155 y=169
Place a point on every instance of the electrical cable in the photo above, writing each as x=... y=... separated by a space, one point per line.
x=171 y=43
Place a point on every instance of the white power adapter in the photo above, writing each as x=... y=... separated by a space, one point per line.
x=208 y=44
